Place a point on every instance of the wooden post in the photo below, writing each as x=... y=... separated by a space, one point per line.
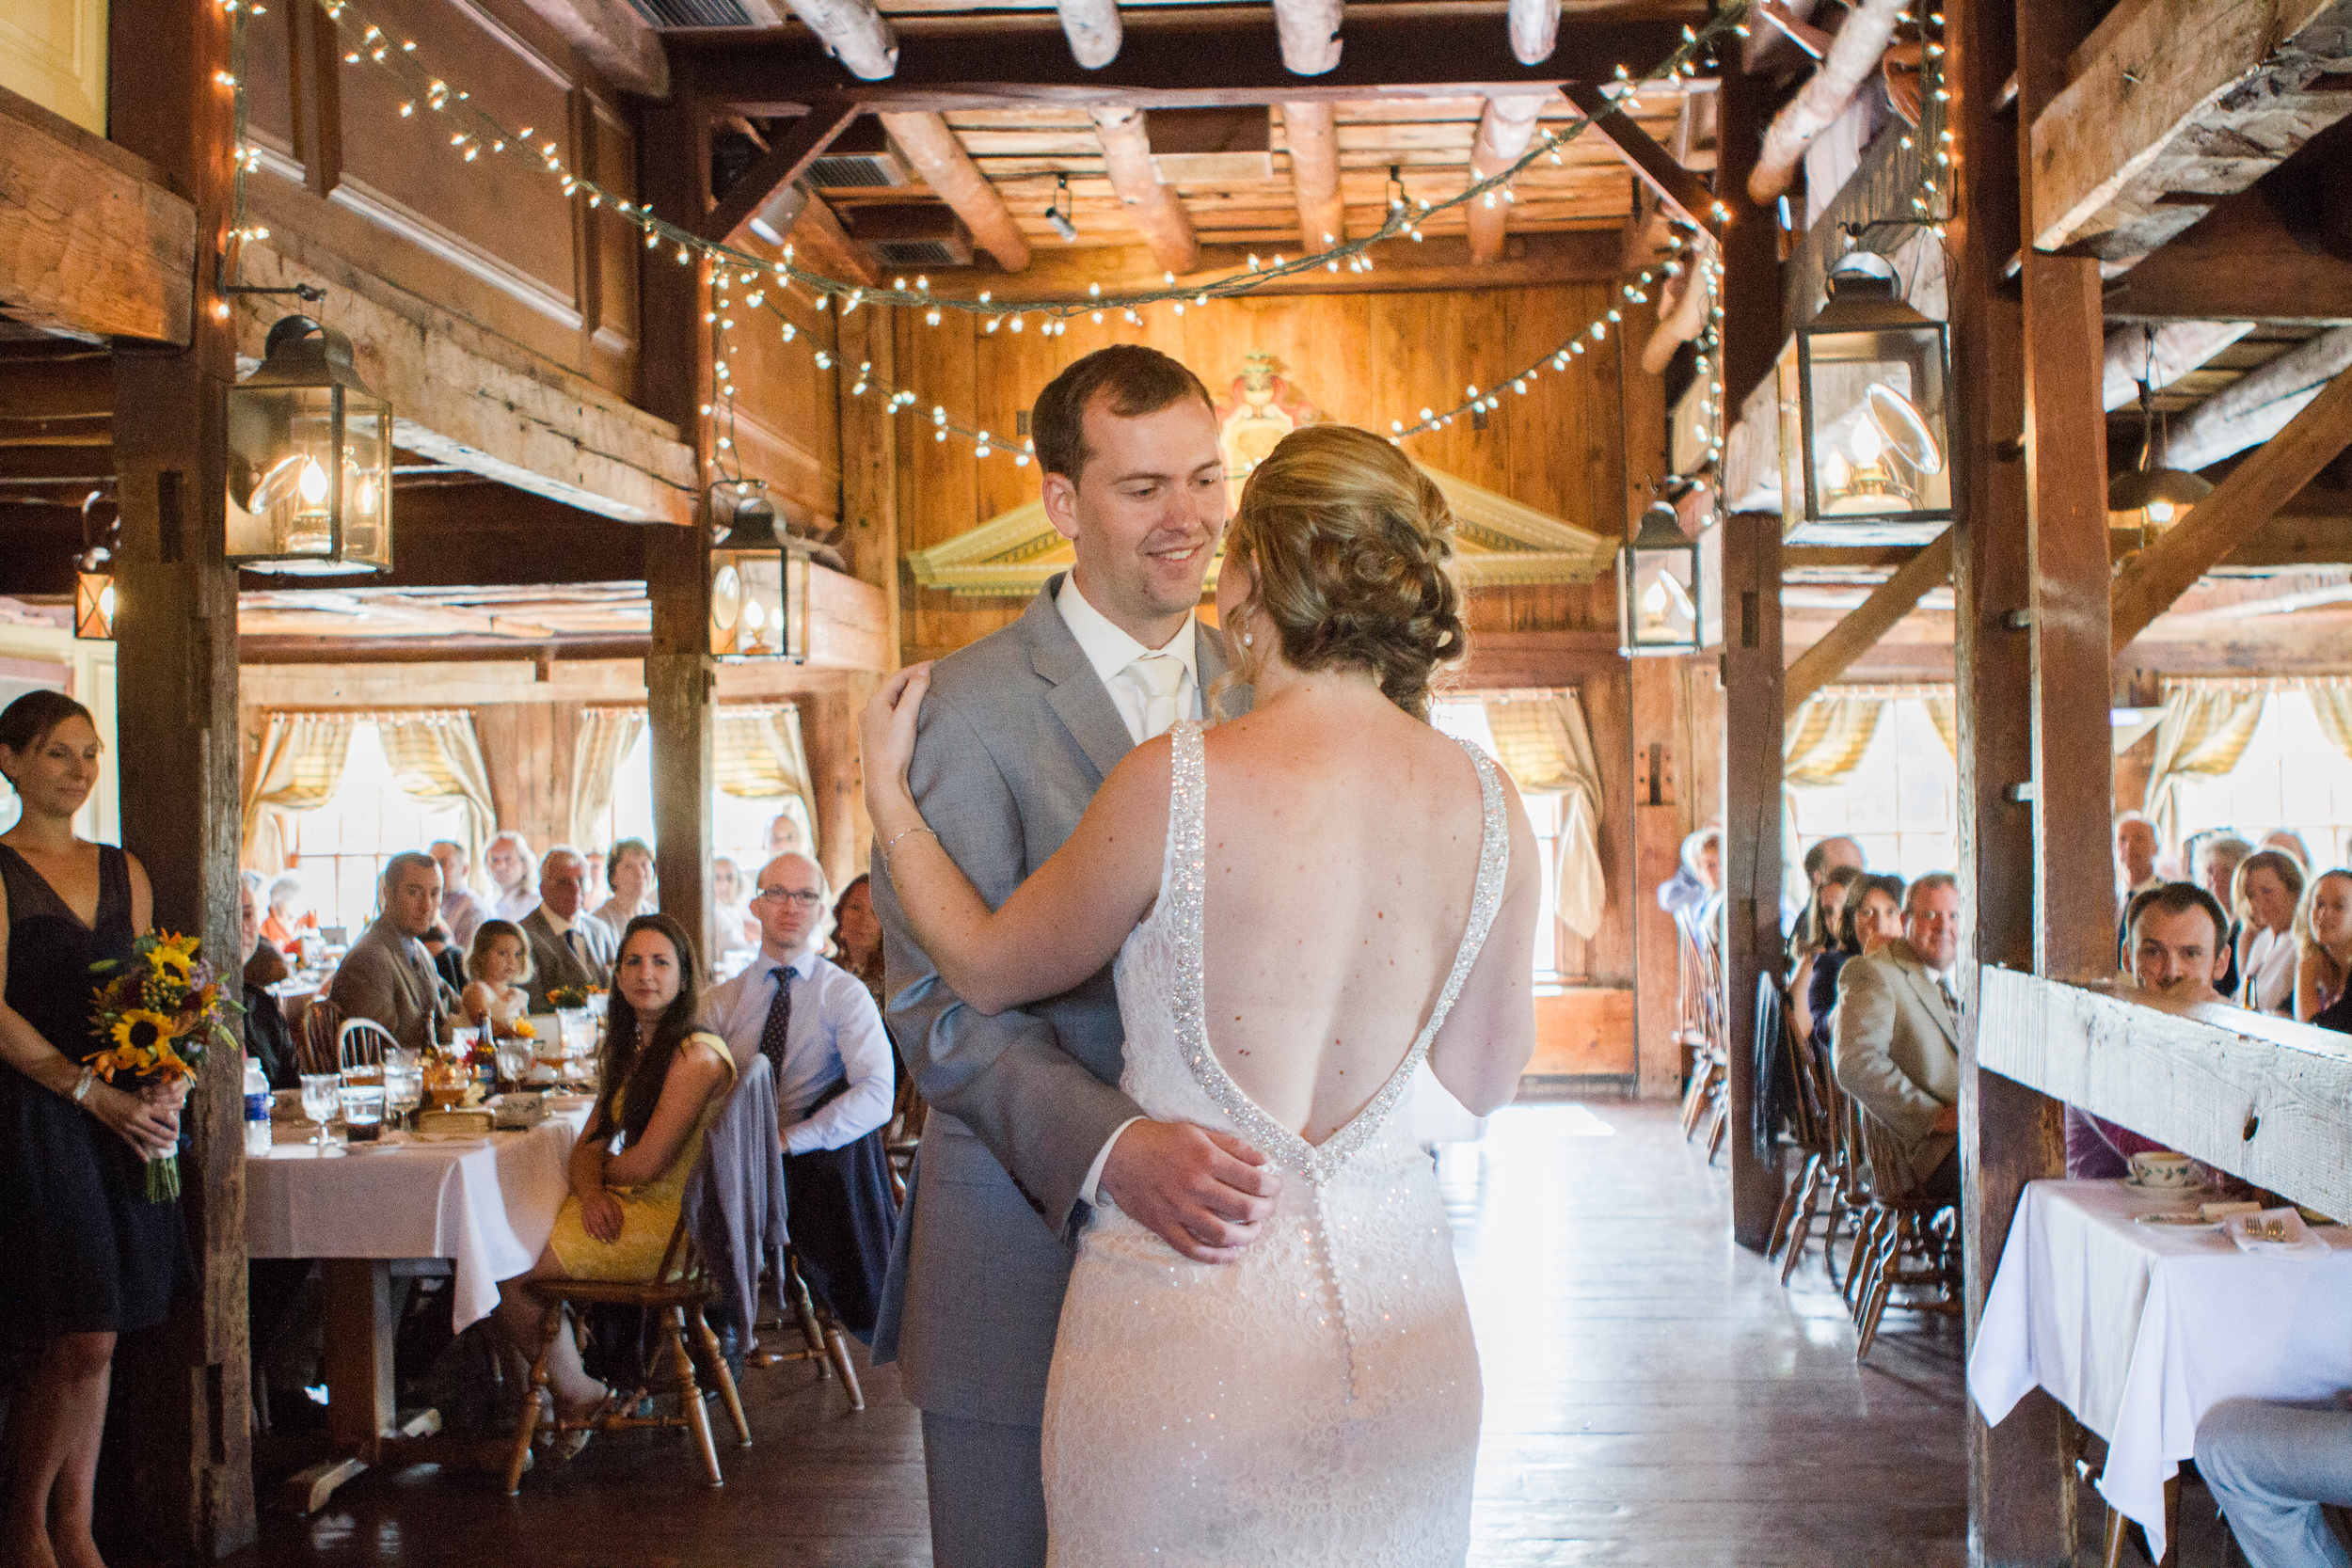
x=1753 y=853
x=184 y=1447
x=869 y=457
x=2019 y=1500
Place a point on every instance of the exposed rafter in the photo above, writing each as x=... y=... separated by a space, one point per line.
x=854 y=33
x=1534 y=29
x=1310 y=35
x=1504 y=129
x=1854 y=55
x=1314 y=148
x=2178 y=348
x=798 y=144
x=1656 y=168
x=934 y=154
x=1151 y=207
x=2256 y=408
x=1093 y=31
x=617 y=41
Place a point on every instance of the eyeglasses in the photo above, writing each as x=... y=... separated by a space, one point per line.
x=806 y=899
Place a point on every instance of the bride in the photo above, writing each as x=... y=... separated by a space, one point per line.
x=1304 y=902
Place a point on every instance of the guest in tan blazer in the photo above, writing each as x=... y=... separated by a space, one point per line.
x=388 y=976
x=1897 y=1046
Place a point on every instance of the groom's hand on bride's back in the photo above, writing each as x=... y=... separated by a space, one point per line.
x=1204 y=1193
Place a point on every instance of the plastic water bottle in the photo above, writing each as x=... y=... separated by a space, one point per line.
x=256 y=1108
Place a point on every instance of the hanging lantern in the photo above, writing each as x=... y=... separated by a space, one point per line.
x=1659 y=587
x=94 y=581
x=759 y=578
x=2151 y=498
x=1862 y=443
x=309 y=459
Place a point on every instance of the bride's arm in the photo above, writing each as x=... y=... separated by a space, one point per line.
x=1490 y=1033
x=1062 y=924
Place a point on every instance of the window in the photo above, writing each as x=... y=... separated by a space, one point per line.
x=1900 y=803
x=340 y=849
x=1467 y=720
x=2290 y=775
x=739 y=826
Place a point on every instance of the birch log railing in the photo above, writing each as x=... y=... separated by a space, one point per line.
x=2265 y=1099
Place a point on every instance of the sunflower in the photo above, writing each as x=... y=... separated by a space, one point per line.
x=141 y=1030
x=169 y=962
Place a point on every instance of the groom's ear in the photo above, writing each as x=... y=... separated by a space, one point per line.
x=1061 y=504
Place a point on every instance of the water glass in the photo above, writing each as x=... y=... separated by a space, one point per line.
x=578 y=1031
x=363 y=1110
x=322 y=1097
x=515 y=1061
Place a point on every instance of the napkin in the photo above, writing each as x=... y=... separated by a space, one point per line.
x=2298 y=1235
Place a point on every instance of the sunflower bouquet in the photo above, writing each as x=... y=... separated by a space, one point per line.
x=157 y=1015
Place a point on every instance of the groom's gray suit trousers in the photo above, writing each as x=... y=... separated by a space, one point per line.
x=987 y=1496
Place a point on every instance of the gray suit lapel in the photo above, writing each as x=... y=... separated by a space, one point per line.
x=1078 y=699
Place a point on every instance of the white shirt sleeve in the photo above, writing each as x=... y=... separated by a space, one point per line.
x=1089 y=1193
x=847 y=1010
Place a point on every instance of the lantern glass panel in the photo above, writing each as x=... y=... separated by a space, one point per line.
x=758 y=604
x=1658 y=593
x=367 y=473
x=1863 y=434
x=282 y=467
x=94 y=606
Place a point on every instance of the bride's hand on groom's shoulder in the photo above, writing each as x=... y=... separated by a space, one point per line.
x=885 y=731
x=1204 y=1193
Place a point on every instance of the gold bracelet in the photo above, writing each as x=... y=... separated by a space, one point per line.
x=894 y=843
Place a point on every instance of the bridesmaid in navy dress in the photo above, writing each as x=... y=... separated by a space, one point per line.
x=88 y=1258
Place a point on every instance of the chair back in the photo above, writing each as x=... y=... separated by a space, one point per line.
x=361 y=1043
x=318 y=1045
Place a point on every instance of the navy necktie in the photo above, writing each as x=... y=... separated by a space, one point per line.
x=778 y=1028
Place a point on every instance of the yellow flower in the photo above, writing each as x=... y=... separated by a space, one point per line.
x=140 y=1030
x=523 y=1031
x=168 y=962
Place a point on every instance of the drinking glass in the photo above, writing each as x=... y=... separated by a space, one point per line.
x=322 y=1097
x=578 y=1031
x=363 y=1110
x=513 y=1059
x=403 y=1081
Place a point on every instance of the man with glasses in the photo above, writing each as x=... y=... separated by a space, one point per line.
x=835 y=1078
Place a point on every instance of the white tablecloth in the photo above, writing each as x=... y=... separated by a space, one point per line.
x=2139 y=1330
x=487 y=1207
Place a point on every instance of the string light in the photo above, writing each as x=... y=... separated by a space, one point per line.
x=1558 y=357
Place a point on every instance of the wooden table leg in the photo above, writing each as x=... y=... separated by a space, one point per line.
x=359 y=1404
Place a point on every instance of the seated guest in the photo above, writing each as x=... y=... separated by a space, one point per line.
x=734 y=934
x=785 y=836
x=2135 y=871
x=2288 y=842
x=448 y=962
x=823 y=1035
x=2269 y=885
x=289 y=917
x=1825 y=856
x=2176 y=955
x=571 y=950
x=2271 y=1468
x=1897 y=1045
x=663 y=1082
x=264 y=965
x=1685 y=893
x=1818 y=932
x=1873 y=917
x=387 y=976
x=2215 y=866
x=2323 y=937
x=857 y=936
x=508 y=861
x=629 y=870
x=462 y=908
x=497 y=971
x=267 y=1039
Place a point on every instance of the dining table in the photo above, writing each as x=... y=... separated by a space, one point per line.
x=485 y=1203
x=2139 y=1329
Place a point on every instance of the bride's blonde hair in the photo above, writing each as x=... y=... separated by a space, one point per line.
x=1348 y=541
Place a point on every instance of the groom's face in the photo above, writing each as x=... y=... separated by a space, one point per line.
x=1145 y=513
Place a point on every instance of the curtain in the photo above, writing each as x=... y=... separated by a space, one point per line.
x=607 y=736
x=2206 y=728
x=1820 y=746
x=437 y=758
x=2331 y=703
x=760 y=757
x=301 y=762
x=1544 y=744
x=1944 y=713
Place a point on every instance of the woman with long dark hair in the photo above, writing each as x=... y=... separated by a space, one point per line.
x=663 y=1081
x=89 y=1258
x=857 y=937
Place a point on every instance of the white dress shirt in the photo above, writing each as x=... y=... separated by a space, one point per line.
x=462 y=911
x=2268 y=986
x=513 y=905
x=1112 y=651
x=836 y=1032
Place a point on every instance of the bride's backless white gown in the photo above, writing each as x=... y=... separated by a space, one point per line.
x=1317 y=1400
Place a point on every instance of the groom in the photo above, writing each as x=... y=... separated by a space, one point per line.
x=1028 y=1127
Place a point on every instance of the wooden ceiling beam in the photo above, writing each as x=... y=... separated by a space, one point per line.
x=825 y=247
x=2171 y=104
x=2178 y=348
x=57 y=387
x=1529 y=261
x=1929 y=568
x=939 y=162
x=1675 y=185
x=1230 y=58
x=2256 y=406
x=1313 y=138
x=853 y=33
x=1309 y=34
x=91 y=240
x=1506 y=127
x=1849 y=63
x=2238 y=262
x=1093 y=30
x=798 y=144
x=620 y=43
x=2248 y=496
x=1150 y=206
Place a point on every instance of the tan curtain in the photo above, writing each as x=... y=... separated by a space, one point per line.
x=760 y=757
x=437 y=758
x=1944 y=713
x=1820 y=746
x=2331 y=704
x=1546 y=747
x=301 y=762
x=2205 y=729
x=606 y=737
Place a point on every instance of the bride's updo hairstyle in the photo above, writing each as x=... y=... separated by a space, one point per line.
x=1349 y=542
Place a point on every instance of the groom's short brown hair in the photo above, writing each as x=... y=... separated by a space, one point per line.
x=1132 y=380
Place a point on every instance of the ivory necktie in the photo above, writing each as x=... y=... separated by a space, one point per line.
x=1162 y=679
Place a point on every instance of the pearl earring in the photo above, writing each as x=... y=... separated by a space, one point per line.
x=1246 y=640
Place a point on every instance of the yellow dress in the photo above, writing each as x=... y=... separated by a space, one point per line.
x=649 y=1211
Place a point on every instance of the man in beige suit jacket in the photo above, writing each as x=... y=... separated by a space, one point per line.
x=388 y=976
x=1897 y=1046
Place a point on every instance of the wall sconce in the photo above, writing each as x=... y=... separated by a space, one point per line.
x=759 y=578
x=1659 y=587
x=94 y=577
x=309 y=459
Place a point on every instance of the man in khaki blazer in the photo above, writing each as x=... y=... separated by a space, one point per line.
x=387 y=977
x=1897 y=1046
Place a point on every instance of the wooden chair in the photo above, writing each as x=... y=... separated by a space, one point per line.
x=823 y=1342
x=318 y=1040
x=361 y=1042
x=679 y=1288
x=1900 y=1229
x=1828 y=1190
x=904 y=1135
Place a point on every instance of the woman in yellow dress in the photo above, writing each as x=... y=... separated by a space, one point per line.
x=663 y=1081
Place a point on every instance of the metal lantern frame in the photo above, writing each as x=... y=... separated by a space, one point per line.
x=2151 y=497
x=1660 y=583
x=309 y=459
x=759 y=580
x=94 y=577
x=1894 y=487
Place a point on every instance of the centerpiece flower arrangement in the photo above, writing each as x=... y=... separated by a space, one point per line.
x=159 y=1015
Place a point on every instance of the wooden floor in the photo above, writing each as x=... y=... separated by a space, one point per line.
x=1653 y=1397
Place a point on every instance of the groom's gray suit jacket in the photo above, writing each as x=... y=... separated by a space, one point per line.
x=1016 y=734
